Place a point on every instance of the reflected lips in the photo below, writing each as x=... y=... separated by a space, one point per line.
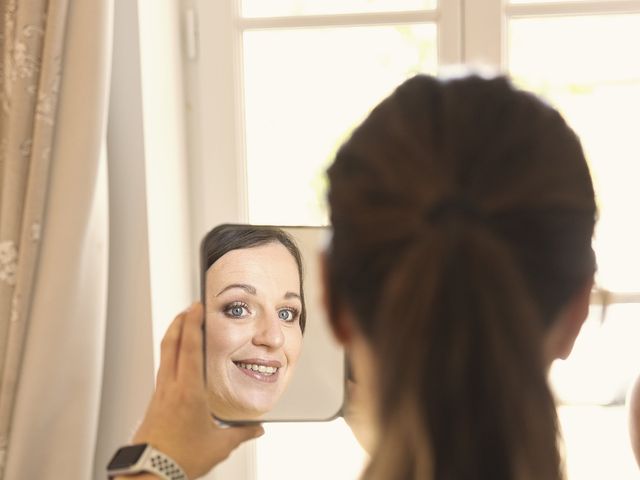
x=266 y=371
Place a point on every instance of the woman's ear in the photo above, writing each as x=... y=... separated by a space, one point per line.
x=336 y=314
x=563 y=333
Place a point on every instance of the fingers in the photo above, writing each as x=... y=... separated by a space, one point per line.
x=169 y=351
x=190 y=362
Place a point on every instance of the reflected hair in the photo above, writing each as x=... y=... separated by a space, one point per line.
x=227 y=237
x=463 y=212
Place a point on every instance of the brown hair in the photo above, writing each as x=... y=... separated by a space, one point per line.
x=226 y=237
x=462 y=215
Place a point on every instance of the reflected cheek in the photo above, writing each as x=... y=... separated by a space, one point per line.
x=223 y=340
x=293 y=346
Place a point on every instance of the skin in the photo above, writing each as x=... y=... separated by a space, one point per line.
x=177 y=418
x=252 y=315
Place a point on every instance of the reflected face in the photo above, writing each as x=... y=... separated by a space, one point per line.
x=253 y=332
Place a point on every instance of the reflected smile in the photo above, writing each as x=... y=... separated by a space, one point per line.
x=263 y=370
x=257 y=368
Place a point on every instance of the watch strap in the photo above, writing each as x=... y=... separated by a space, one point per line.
x=163 y=466
x=151 y=461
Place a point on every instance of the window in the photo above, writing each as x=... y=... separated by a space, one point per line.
x=321 y=81
x=580 y=57
x=279 y=84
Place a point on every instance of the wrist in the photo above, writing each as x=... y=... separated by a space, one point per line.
x=143 y=459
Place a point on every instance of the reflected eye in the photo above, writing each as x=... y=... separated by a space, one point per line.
x=236 y=310
x=287 y=314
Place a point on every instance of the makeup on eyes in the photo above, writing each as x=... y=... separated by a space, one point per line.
x=251 y=296
x=295 y=314
x=230 y=309
x=239 y=309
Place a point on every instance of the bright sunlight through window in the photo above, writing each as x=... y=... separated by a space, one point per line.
x=311 y=70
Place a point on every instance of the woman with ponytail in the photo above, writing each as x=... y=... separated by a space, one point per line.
x=460 y=266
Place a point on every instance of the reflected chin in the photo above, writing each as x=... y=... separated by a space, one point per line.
x=253 y=391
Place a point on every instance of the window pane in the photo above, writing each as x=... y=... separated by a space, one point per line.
x=604 y=360
x=285 y=8
x=587 y=67
x=597 y=443
x=599 y=370
x=305 y=90
x=592 y=385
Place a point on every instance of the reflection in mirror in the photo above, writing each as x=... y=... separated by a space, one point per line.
x=269 y=354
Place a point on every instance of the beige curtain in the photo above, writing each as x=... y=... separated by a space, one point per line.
x=55 y=69
x=32 y=36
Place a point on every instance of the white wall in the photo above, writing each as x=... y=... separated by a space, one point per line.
x=128 y=361
x=150 y=242
x=163 y=108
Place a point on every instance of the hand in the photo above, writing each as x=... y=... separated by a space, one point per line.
x=178 y=421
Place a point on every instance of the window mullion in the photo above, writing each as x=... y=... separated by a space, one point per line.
x=214 y=97
x=601 y=7
x=450 y=32
x=339 y=20
x=484 y=33
x=605 y=297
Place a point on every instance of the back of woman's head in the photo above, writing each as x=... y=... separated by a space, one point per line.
x=462 y=212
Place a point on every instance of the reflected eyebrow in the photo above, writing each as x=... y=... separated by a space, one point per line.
x=247 y=288
x=292 y=295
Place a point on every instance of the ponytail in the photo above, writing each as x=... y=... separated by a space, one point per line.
x=455 y=304
x=464 y=393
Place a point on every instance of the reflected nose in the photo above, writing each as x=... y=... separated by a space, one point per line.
x=269 y=332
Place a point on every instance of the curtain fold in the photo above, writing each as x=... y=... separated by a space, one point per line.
x=53 y=261
x=32 y=35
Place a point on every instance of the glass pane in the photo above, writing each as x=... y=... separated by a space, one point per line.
x=286 y=8
x=592 y=386
x=309 y=451
x=604 y=360
x=588 y=68
x=597 y=443
x=305 y=90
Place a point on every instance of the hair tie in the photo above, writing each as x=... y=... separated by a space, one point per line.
x=456 y=206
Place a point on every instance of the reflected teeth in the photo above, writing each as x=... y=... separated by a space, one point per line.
x=258 y=368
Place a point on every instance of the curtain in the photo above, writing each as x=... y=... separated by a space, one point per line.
x=32 y=41
x=53 y=233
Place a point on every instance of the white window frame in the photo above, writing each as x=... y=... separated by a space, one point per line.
x=600 y=296
x=469 y=32
x=214 y=79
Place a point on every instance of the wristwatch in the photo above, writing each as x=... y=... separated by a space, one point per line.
x=141 y=458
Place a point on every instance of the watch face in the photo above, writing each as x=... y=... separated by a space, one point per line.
x=126 y=456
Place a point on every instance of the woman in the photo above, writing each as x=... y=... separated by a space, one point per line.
x=460 y=267
x=255 y=317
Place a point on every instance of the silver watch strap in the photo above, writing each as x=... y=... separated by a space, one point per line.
x=163 y=466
